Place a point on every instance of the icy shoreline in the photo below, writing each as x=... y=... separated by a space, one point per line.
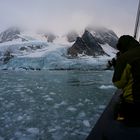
x=40 y=55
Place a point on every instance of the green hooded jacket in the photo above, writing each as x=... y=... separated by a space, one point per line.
x=127 y=71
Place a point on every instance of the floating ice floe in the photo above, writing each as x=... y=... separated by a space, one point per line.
x=52 y=93
x=34 y=131
x=106 y=86
x=101 y=106
x=72 y=109
x=86 y=123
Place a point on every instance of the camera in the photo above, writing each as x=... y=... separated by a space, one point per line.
x=112 y=62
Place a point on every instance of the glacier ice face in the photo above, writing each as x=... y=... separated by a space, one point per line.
x=37 y=55
x=52 y=56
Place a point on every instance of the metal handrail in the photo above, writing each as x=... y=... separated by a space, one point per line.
x=137 y=24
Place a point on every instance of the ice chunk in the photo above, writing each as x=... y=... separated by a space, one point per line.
x=80 y=104
x=19 y=118
x=46 y=96
x=102 y=106
x=86 y=123
x=52 y=93
x=63 y=103
x=87 y=100
x=106 y=86
x=81 y=114
x=72 y=109
x=52 y=130
x=34 y=131
x=49 y=99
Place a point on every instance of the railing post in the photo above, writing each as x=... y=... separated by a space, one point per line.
x=137 y=22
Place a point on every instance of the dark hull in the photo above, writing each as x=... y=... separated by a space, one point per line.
x=107 y=128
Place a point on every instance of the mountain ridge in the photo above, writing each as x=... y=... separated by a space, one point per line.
x=34 y=51
x=91 y=44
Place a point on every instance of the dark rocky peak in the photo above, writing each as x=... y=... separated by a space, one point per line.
x=87 y=45
x=92 y=43
x=9 y=34
x=7 y=57
x=79 y=41
x=79 y=47
x=89 y=39
x=104 y=35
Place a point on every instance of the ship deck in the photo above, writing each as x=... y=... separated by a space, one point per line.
x=107 y=128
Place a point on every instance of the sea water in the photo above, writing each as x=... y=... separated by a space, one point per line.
x=52 y=105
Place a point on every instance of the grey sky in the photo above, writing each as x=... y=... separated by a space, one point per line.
x=62 y=15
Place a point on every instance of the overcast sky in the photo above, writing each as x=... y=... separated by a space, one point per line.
x=61 y=15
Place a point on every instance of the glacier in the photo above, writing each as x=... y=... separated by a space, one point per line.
x=38 y=55
x=32 y=51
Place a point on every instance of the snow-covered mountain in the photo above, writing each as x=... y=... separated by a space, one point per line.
x=86 y=45
x=90 y=43
x=36 y=51
x=103 y=35
x=9 y=35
